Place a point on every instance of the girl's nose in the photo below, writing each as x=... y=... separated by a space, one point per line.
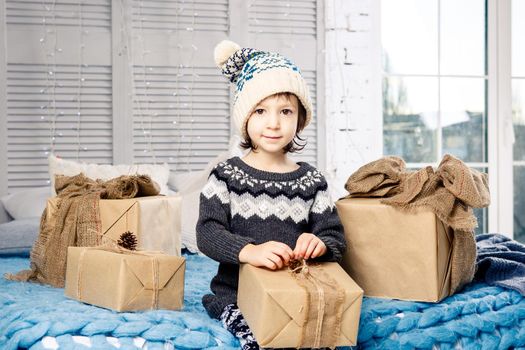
x=274 y=121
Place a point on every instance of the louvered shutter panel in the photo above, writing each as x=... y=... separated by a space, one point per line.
x=182 y=103
x=175 y=107
x=42 y=90
x=181 y=107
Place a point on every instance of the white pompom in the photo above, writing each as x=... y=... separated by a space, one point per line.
x=223 y=51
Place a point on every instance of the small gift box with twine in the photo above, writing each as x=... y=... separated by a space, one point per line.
x=314 y=305
x=125 y=280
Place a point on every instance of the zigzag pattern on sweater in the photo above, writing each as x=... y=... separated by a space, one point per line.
x=262 y=205
x=232 y=172
x=218 y=188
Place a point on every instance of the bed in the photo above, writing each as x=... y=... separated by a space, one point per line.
x=40 y=317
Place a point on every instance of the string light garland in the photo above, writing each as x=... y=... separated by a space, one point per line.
x=43 y=42
x=147 y=134
x=184 y=123
x=50 y=74
x=81 y=78
x=286 y=15
x=193 y=49
x=176 y=94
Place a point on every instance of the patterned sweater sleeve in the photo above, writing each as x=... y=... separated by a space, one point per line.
x=214 y=237
x=325 y=224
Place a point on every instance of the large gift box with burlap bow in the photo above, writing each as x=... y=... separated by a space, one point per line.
x=410 y=233
x=307 y=306
x=125 y=280
x=155 y=221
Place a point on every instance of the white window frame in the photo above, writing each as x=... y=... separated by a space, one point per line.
x=500 y=129
x=499 y=119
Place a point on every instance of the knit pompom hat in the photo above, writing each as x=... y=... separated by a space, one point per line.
x=257 y=75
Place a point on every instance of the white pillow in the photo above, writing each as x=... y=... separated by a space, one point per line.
x=189 y=185
x=26 y=203
x=159 y=173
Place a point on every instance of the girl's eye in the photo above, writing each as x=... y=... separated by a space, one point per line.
x=287 y=111
x=259 y=111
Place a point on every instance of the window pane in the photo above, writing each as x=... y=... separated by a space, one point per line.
x=463 y=37
x=482 y=214
x=518 y=41
x=409 y=118
x=519 y=203
x=409 y=36
x=518 y=117
x=463 y=118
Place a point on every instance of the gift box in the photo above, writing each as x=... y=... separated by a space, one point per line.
x=396 y=254
x=125 y=281
x=155 y=221
x=284 y=311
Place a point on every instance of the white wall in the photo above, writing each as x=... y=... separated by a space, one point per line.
x=353 y=88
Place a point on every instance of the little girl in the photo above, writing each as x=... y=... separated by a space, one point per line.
x=263 y=209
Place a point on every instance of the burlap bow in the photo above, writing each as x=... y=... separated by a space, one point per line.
x=323 y=305
x=451 y=191
x=76 y=222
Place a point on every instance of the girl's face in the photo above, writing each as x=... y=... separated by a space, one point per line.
x=273 y=123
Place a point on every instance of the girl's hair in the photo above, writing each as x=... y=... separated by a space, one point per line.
x=297 y=143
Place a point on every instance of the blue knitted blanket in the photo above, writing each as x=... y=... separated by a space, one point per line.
x=29 y=312
x=501 y=261
x=480 y=317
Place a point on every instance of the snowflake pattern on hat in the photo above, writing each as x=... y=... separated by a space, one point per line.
x=234 y=65
x=260 y=63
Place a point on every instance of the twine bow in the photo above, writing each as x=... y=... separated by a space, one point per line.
x=323 y=305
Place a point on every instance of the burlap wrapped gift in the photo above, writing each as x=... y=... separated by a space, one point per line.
x=396 y=254
x=76 y=222
x=415 y=241
x=154 y=220
x=314 y=307
x=125 y=280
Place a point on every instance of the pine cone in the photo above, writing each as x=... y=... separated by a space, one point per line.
x=128 y=240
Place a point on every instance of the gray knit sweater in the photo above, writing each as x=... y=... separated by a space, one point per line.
x=241 y=205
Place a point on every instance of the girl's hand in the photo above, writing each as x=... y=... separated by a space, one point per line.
x=273 y=255
x=309 y=246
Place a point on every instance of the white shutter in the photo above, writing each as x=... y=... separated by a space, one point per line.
x=297 y=17
x=181 y=101
x=175 y=107
x=181 y=117
x=43 y=89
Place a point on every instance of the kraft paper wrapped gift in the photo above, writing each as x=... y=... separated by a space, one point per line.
x=155 y=221
x=395 y=254
x=125 y=281
x=276 y=307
